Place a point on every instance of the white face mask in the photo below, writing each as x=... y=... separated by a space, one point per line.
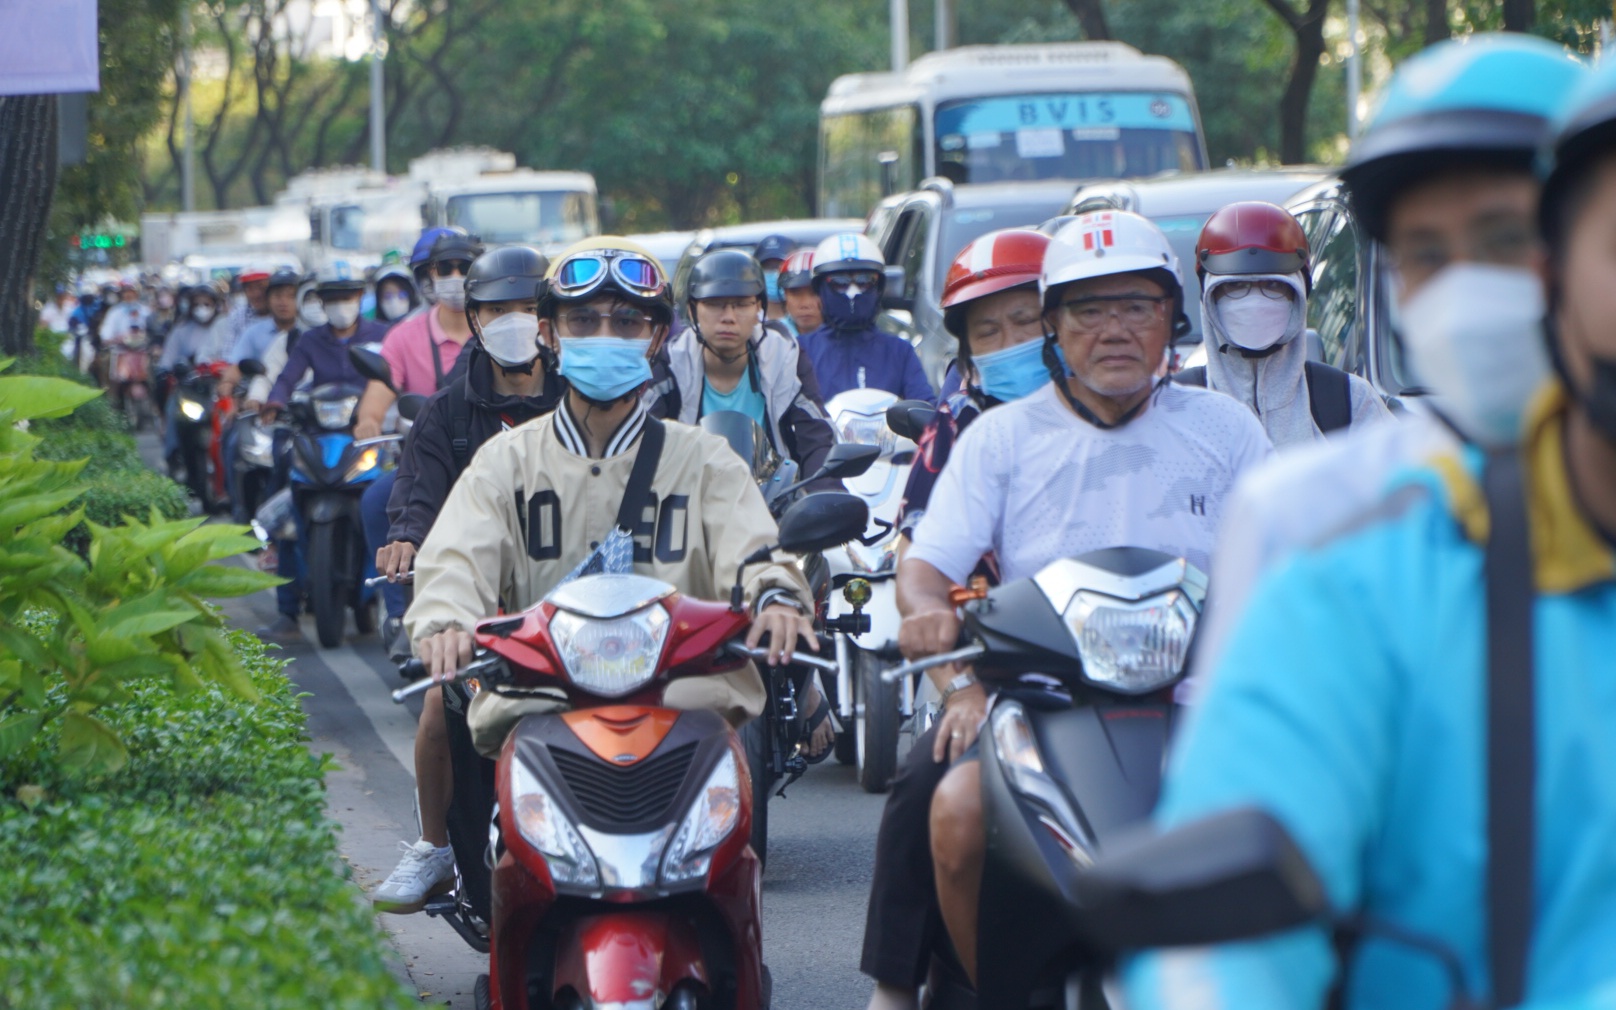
x=451 y=291
x=203 y=314
x=394 y=306
x=1474 y=337
x=512 y=339
x=342 y=315
x=312 y=313
x=1255 y=322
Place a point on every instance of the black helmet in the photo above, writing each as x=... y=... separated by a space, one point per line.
x=455 y=244
x=284 y=278
x=507 y=274
x=725 y=273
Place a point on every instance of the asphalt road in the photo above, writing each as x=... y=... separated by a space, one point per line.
x=821 y=846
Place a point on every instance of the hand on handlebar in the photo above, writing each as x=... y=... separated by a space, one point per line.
x=366 y=428
x=444 y=653
x=267 y=413
x=784 y=626
x=394 y=559
x=929 y=633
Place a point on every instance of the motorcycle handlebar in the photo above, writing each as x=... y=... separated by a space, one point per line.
x=404 y=579
x=964 y=655
x=414 y=667
x=762 y=656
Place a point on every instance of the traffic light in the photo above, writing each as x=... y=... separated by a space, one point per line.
x=91 y=240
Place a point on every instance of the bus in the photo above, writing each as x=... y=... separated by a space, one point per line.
x=1076 y=110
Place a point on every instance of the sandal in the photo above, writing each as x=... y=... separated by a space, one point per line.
x=815 y=721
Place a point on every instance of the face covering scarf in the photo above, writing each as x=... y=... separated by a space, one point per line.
x=853 y=310
x=394 y=307
x=1255 y=322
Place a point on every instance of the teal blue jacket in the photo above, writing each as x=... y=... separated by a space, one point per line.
x=1350 y=703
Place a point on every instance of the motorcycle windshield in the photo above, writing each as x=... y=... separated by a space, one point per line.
x=746 y=437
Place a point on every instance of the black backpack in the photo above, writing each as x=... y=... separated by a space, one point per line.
x=1329 y=393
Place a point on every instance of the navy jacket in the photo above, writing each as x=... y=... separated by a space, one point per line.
x=855 y=359
x=317 y=350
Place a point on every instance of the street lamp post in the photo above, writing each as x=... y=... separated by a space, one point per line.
x=900 y=34
x=378 y=117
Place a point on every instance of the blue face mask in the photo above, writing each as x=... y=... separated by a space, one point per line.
x=842 y=312
x=1013 y=372
x=605 y=368
x=771 y=287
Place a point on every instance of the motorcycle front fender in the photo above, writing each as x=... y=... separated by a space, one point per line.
x=630 y=960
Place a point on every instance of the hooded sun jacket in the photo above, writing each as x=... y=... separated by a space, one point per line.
x=798 y=427
x=1274 y=385
x=1350 y=702
x=529 y=509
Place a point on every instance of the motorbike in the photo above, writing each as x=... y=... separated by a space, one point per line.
x=1083 y=657
x=872 y=712
x=330 y=471
x=130 y=372
x=776 y=741
x=614 y=869
x=199 y=416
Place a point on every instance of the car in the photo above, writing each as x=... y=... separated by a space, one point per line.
x=1179 y=204
x=666 y=246
x=805 y=232
x=923 y=230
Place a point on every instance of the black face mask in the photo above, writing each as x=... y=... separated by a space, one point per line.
x=1599 y=403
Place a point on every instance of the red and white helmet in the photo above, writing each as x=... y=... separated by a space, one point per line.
x=995 y=262
x=1106 y=242
x=797 y=271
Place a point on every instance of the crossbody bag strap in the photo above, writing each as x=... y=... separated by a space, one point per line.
x=1511 y=730
x=640 y=477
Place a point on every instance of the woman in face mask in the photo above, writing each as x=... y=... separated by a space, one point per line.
x=396 y=296
x=1252 y=260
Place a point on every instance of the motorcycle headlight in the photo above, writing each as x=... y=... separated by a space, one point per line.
x=1132 y=647
x=1016 y=748
x=548 y=830
x=611 y=657
x=712 y=817
x=866 y=429
x=365 y=462
x=192 y=409
x=334 y=415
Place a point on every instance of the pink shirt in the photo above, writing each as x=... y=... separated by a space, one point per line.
x=408 y=350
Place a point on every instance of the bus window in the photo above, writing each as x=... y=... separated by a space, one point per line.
x=850 y=150
x=543 y=218
x=1086 y=135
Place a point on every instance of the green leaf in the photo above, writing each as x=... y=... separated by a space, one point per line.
x=229 y=668
x=32 y=397
x=145 y=621
x=17 y=730
x=219 y=581
x=88 y=745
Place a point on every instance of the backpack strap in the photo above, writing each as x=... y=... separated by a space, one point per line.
x=1511 y=729
x=640 y=477
x=460 y=423
x=1329 y=396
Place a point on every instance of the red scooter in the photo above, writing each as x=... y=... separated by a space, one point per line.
x=621 y=871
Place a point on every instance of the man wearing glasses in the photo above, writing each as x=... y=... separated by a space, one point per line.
x=1252 y=260
x=847 y=351
x=1109 y=454
x=538 y=501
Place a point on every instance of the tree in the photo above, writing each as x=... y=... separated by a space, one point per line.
x=1091 y=15
x=28 y=178
x=1307 y=29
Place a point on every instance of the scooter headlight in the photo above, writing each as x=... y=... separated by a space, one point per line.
x=365 y=463
x=192 y=409
x=1132 y=647
x=548 y=830
x=257 y=447
x=334 y=415
x=611 y=657
x=1016 y=748
x=866 y=429
x=712 y=817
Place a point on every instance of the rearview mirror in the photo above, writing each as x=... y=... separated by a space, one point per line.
x=372 y=366
x=410 y=405
x=847 y=459
x=892 y=293
x=251 y=367
x=822 y=521
x=1231 y=876
x=910 y=418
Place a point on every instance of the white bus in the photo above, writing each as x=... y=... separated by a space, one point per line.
x=1078 y=110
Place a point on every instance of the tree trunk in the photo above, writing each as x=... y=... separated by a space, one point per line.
x=1307 y=28
x=1437 y=27
x=1091 y=15
x=28 y=180
x=1519 y=15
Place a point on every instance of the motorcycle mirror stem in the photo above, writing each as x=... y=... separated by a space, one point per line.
x=737 y=593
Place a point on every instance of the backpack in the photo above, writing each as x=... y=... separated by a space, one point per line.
x=1329 y=393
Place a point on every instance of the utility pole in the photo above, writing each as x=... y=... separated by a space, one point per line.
x=378 y=117
x=188 y=163
x=900 y=34
x=947 y=25
x=1354 y=70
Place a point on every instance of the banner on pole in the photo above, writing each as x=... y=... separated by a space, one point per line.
x=48 y=48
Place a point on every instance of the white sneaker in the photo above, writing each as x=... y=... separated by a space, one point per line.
x=425 y=871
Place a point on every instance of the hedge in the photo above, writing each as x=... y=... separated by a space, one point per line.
x=202 y=874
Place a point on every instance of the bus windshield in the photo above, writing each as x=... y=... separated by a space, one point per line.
x=543 y=218
x=1085 y=135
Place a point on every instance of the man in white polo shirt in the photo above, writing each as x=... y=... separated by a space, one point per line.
x=1107 y=455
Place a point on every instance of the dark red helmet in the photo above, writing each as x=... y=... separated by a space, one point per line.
x=1252 y=237
x=995 y=262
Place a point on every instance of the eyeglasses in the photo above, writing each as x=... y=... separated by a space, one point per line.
x=721 y=306
x=842 y=281
x=1276 y=290
x=448 y=268
x=626 y=323
x=579 y=275
x=1089 y=314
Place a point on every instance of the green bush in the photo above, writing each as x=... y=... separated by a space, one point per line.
x=202 y=874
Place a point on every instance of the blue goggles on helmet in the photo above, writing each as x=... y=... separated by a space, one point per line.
x=587 y=272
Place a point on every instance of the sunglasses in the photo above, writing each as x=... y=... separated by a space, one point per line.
x=448 y=268
x=843 y=281
x=579 y=275
x=626 y=323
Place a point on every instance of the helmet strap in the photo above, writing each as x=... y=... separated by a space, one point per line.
x=728 y=359
x=1058 y=375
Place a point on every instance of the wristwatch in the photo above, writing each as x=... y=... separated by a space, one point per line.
x=959 y=683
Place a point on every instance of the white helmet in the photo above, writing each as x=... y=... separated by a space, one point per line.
x=847 y=251
x=1106 y=242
